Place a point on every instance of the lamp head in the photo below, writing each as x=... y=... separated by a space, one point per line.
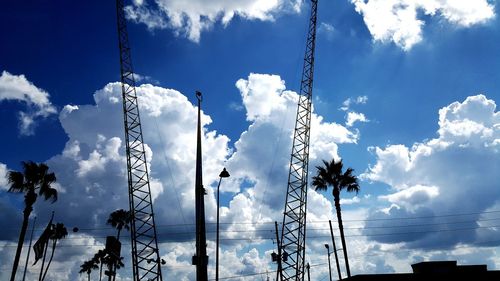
x=224 y=173
x=199 y=96
x=326 y=246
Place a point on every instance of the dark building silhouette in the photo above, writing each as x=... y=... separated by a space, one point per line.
x=435 y=270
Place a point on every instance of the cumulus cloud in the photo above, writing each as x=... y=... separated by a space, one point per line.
x=413 y=196
x=18 y=88
x=399 y=21
x=91 y=171
x=350 y=201
x=191 y=18
x=353 y=117
x=453 y=173
x=3 y=176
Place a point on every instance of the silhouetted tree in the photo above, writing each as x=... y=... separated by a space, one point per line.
x=100 y=258
x=34 y=179
x=87 y=267
x=114 y=263
x=59 y=231
x=120 y=219
x=331 y=174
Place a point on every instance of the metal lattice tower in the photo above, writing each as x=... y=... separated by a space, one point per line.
x=145 y=255
x=293 y=234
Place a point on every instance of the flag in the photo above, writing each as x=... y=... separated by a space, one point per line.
x=42 y=241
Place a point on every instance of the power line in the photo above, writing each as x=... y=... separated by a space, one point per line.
x=63 y=244
x=308 y=222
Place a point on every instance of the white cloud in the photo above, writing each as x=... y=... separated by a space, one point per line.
x=412 y=197
x=92 y=170
x=353 y=117
x=191 y=18
x=398 y=21
x=346 y=105
x=327 y=30
x=472 y=122
x=453 y=173
x=3 y=176
x=261 y=95
x=350 y=201
x=18 y=88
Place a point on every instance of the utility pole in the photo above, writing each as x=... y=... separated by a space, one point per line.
x=142 y=227
x=29 y=249
x=335 y=250
x=294 y=217
x=201 y=258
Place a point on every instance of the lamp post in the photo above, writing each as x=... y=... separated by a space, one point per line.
x=223 y=174
x=329 y=265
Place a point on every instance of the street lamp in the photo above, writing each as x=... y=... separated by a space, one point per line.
x=329 y=265
x=223 y=174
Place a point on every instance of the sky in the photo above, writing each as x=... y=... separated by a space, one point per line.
x=405 y=93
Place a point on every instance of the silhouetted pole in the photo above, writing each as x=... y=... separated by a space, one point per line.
x=279 y=275
x=201 y=258
x=308 y=267
x=223 y=174
x=29 y=249
x=45 y=250
x=335 y=250
x=329 y=264
x=43 y=260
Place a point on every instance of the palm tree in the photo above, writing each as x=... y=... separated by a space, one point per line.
x=331 y=175
x=120 y=219
x=113 y=263
x=87 y=267
x=59 y=232
x=99 y=258
x=34 y=179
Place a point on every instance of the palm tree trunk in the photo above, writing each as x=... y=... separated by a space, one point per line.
x=50 y=260
x=24 y=227
x=342 y=238
x=88 y=274
x=100 y=271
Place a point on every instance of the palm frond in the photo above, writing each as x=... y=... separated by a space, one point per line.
x=331 y=174
x=120 y=219
x=49 y=193
x=16 y=182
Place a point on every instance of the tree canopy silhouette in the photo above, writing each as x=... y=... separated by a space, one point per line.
x=87 y=267
x=35 y=180
x=120 y=219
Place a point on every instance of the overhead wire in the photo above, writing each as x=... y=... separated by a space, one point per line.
x=309 y=222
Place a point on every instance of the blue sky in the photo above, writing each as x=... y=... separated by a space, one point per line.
x=416 y=79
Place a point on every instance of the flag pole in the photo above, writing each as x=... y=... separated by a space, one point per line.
x=29 y=249
x=45 y=250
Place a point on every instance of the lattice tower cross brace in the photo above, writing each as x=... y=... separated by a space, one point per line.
x=145 y=254
x=293 y=234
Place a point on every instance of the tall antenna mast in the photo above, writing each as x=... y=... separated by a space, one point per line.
x=200 y=259
x=294 y=220
x=145 y=254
